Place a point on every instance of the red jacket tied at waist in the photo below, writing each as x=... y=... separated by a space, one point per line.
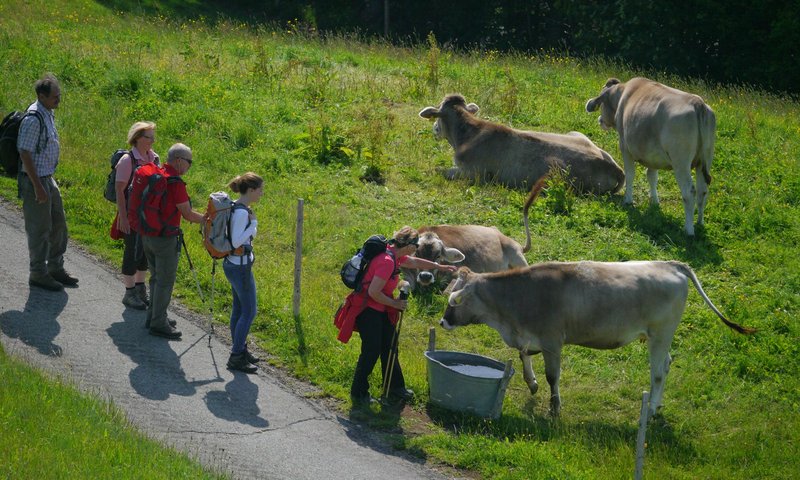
x=354 y=304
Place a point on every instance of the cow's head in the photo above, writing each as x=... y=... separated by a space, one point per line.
x=437 y=114
x=432 y=248
x=607 y=102
x=463 y=308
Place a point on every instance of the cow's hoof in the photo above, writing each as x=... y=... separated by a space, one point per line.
x=533 y=388
x=555 y=406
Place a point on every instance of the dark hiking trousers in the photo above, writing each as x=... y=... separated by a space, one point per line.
x=376 y=342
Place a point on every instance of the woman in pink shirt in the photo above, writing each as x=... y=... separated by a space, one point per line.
x=376 y=322
x=134 y=264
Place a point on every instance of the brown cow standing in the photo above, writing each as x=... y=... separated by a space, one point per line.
x=518 y=158
x=545 y=306
x=663 y=129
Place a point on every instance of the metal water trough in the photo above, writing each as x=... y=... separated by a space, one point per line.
x=466 y=382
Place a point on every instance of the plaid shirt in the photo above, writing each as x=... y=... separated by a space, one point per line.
x=46 y=159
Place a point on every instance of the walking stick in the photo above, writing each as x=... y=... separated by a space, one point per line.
x=387 y=377
x=199 y=290
x=211 y=306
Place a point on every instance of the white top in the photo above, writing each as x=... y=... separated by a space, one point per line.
x=241 y=233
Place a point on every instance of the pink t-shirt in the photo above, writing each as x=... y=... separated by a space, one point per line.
x=124 y=167
x=382 y=266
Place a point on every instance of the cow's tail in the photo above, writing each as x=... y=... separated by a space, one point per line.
x=537 y=188
x=686 y=270
x=707 y=123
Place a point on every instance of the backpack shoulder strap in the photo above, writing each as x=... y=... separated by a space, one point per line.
x=391 y=254
x=134 y=166
x=234 y=207
x=39 y=116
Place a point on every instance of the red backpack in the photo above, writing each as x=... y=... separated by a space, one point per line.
x=147 y=201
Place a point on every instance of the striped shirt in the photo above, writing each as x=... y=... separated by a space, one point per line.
x=46 y=159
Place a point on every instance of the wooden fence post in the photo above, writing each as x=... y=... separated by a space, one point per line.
x=640 y=438
x=298 y=257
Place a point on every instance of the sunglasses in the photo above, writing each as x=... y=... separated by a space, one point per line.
x=187 y=160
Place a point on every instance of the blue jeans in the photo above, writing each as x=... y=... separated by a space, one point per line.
x=243 y=287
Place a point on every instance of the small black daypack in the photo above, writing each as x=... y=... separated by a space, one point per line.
x=353 y=270
x=110 y=192
x=9 y=132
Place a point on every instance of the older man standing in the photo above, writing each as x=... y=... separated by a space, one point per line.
x=45 y=221
x=163 y=248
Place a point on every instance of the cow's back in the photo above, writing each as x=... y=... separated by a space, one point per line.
x=595 y=304
x=657 y=123
x=521 y=157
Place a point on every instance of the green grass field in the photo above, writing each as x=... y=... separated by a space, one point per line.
x=313 y=115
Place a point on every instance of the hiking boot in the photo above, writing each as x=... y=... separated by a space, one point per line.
x=172 y=323
x=238 y=361
x=250 y=357
x=362 y=401
x=169 y=332
x=44 y=280
x=402 y=394
x=64 y=278
x=132 y=300
x=141 y=291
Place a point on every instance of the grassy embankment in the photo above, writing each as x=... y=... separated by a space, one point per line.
x=49 y=430
x=312 y=115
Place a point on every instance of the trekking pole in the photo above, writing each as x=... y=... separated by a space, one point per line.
x=211 y=307
x=197 y=282
x=387 y=377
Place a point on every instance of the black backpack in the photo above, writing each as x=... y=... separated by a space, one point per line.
x=9 y=132
x=110 y=192
x=354 y=269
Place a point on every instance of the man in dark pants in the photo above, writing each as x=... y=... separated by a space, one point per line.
x=163 y=252
x=42 y=207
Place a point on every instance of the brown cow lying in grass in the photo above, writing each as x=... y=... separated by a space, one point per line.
x=519 y=158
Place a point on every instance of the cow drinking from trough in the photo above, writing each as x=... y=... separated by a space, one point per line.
x=663 y=129
x=545 y=306
x=518 y=158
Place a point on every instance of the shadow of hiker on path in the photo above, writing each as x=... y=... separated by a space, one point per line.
x=238 y=403
x=37 y=325
x=158 y=372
